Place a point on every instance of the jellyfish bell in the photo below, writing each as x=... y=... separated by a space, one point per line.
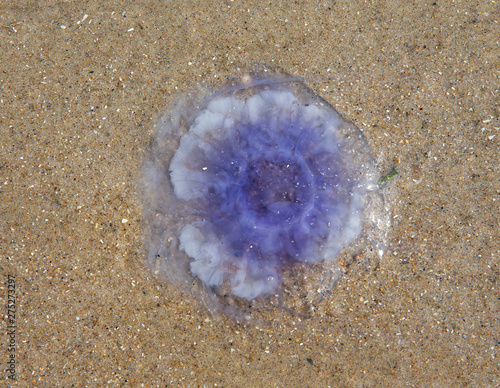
x=253 y=187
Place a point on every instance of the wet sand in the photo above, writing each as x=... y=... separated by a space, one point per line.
x=81 y=86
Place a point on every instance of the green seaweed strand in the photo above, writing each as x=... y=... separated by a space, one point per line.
x=387 y=178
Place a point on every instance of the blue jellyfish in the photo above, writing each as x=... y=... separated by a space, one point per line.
x=260 y=176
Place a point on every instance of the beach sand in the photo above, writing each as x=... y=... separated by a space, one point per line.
x=81 y=84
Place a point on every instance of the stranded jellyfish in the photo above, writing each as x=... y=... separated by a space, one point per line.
x=250 y=195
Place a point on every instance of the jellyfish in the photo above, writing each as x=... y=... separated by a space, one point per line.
x=243 y=185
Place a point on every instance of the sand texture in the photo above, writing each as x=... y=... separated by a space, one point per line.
x=81 y=84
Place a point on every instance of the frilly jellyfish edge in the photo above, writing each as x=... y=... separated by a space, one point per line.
x=251 y=194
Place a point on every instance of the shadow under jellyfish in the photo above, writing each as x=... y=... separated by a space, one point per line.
x=252 y=188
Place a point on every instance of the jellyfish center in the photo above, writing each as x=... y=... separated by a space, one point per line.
x=277 y=188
